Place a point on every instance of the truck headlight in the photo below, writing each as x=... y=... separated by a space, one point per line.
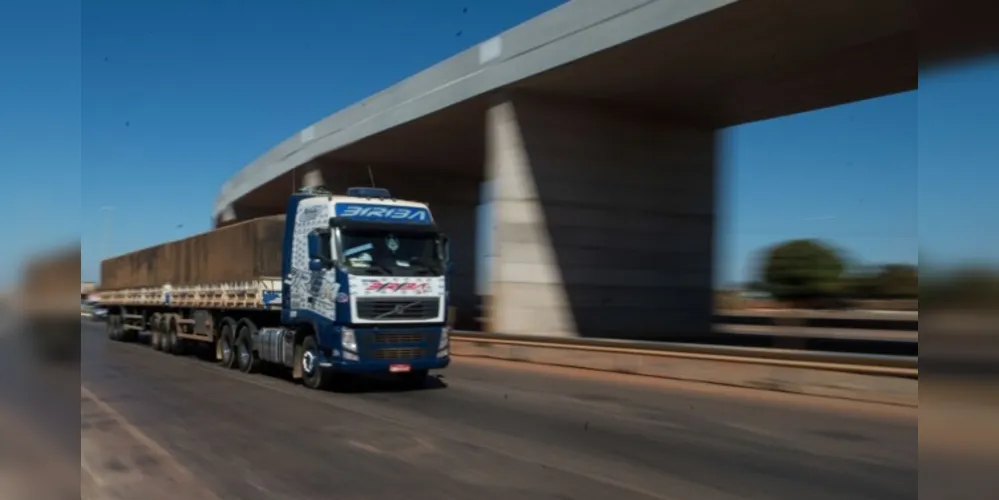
x=445 y=338
x=348 y=340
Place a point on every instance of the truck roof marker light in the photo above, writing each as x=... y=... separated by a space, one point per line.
x=369 y=192
x=315 y=191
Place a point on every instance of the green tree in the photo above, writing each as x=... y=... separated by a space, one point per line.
x=803 y=270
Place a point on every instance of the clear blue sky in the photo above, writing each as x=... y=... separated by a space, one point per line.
x=178 y=95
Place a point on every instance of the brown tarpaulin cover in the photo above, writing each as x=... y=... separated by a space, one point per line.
x=240 y=252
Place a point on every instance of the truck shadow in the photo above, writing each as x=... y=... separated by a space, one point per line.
x=365 y=384
x=348 y=384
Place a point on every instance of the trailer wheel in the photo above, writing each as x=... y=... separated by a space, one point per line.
x=165 y=333
x=175 y=345
x=313 y=375
x=155 y=340
x=111 y=325
x=119 y=329
x=150 y=326
x=227 y=346
x=247 y=361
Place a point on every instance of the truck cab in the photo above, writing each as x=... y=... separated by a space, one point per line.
x=368 y=275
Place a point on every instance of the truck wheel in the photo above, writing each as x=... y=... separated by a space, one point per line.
x=174 y=343
x=247 y=361
x=415 y=379
x=165 y=334
x=112 y=327
x=313 y=375
x=227 y=346
x=119 y=329
x=150 y=327
x=155 y=340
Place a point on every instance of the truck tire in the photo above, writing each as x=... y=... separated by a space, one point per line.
x=119 y=329
x=313 y=375
x=245 y=358
x=227 y=345
x=416 y=379
x=165 y=333
x=154 y=321
x=155 y=340
x=111 y=325
x=175 y=344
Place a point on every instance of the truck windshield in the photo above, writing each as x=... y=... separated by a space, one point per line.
x=380 y=253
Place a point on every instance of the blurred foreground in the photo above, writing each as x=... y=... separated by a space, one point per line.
x=959 y=402
x=38 y=418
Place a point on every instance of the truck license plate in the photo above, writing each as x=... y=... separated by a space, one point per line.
x=399 y=368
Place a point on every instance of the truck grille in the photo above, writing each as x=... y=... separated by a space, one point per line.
x=398 y=308
x=398 y=353
x=398 y=338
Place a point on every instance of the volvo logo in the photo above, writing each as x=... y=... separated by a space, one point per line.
x=397 y=310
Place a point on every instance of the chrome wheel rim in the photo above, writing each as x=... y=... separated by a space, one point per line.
x=308 y=362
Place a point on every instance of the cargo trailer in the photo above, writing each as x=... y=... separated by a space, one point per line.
x=339 y=284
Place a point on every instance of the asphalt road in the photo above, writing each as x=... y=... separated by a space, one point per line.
x=487 y=430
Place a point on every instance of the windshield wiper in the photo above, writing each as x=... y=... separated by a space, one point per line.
x=383 y=269
x=426 y=265
x=371 y=266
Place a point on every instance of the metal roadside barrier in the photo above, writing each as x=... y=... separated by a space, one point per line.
x=866 y=364
x=891 y=322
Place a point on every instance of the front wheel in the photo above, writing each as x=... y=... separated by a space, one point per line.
x=313 y=375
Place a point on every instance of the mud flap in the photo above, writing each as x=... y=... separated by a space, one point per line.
x=296 y=367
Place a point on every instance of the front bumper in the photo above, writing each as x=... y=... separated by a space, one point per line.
x=382 y=366
x=387 y=350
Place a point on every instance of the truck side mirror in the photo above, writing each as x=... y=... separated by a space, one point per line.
x=445 y=248
x=319 y=251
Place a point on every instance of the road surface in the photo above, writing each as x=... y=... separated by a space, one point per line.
x=487 y=430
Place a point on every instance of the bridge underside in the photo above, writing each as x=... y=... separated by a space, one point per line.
x=604 y=170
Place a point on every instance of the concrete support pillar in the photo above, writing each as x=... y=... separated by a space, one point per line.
x=603 y=222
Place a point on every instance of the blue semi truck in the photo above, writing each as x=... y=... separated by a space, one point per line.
x=362 y=289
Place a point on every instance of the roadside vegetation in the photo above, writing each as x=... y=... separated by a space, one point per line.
x=814 y=274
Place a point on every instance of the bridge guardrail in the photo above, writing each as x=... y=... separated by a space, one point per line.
x=859 y=377
x=868 y=364
x=817 y=319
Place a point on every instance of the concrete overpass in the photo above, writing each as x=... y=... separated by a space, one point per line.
x=596 y=123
